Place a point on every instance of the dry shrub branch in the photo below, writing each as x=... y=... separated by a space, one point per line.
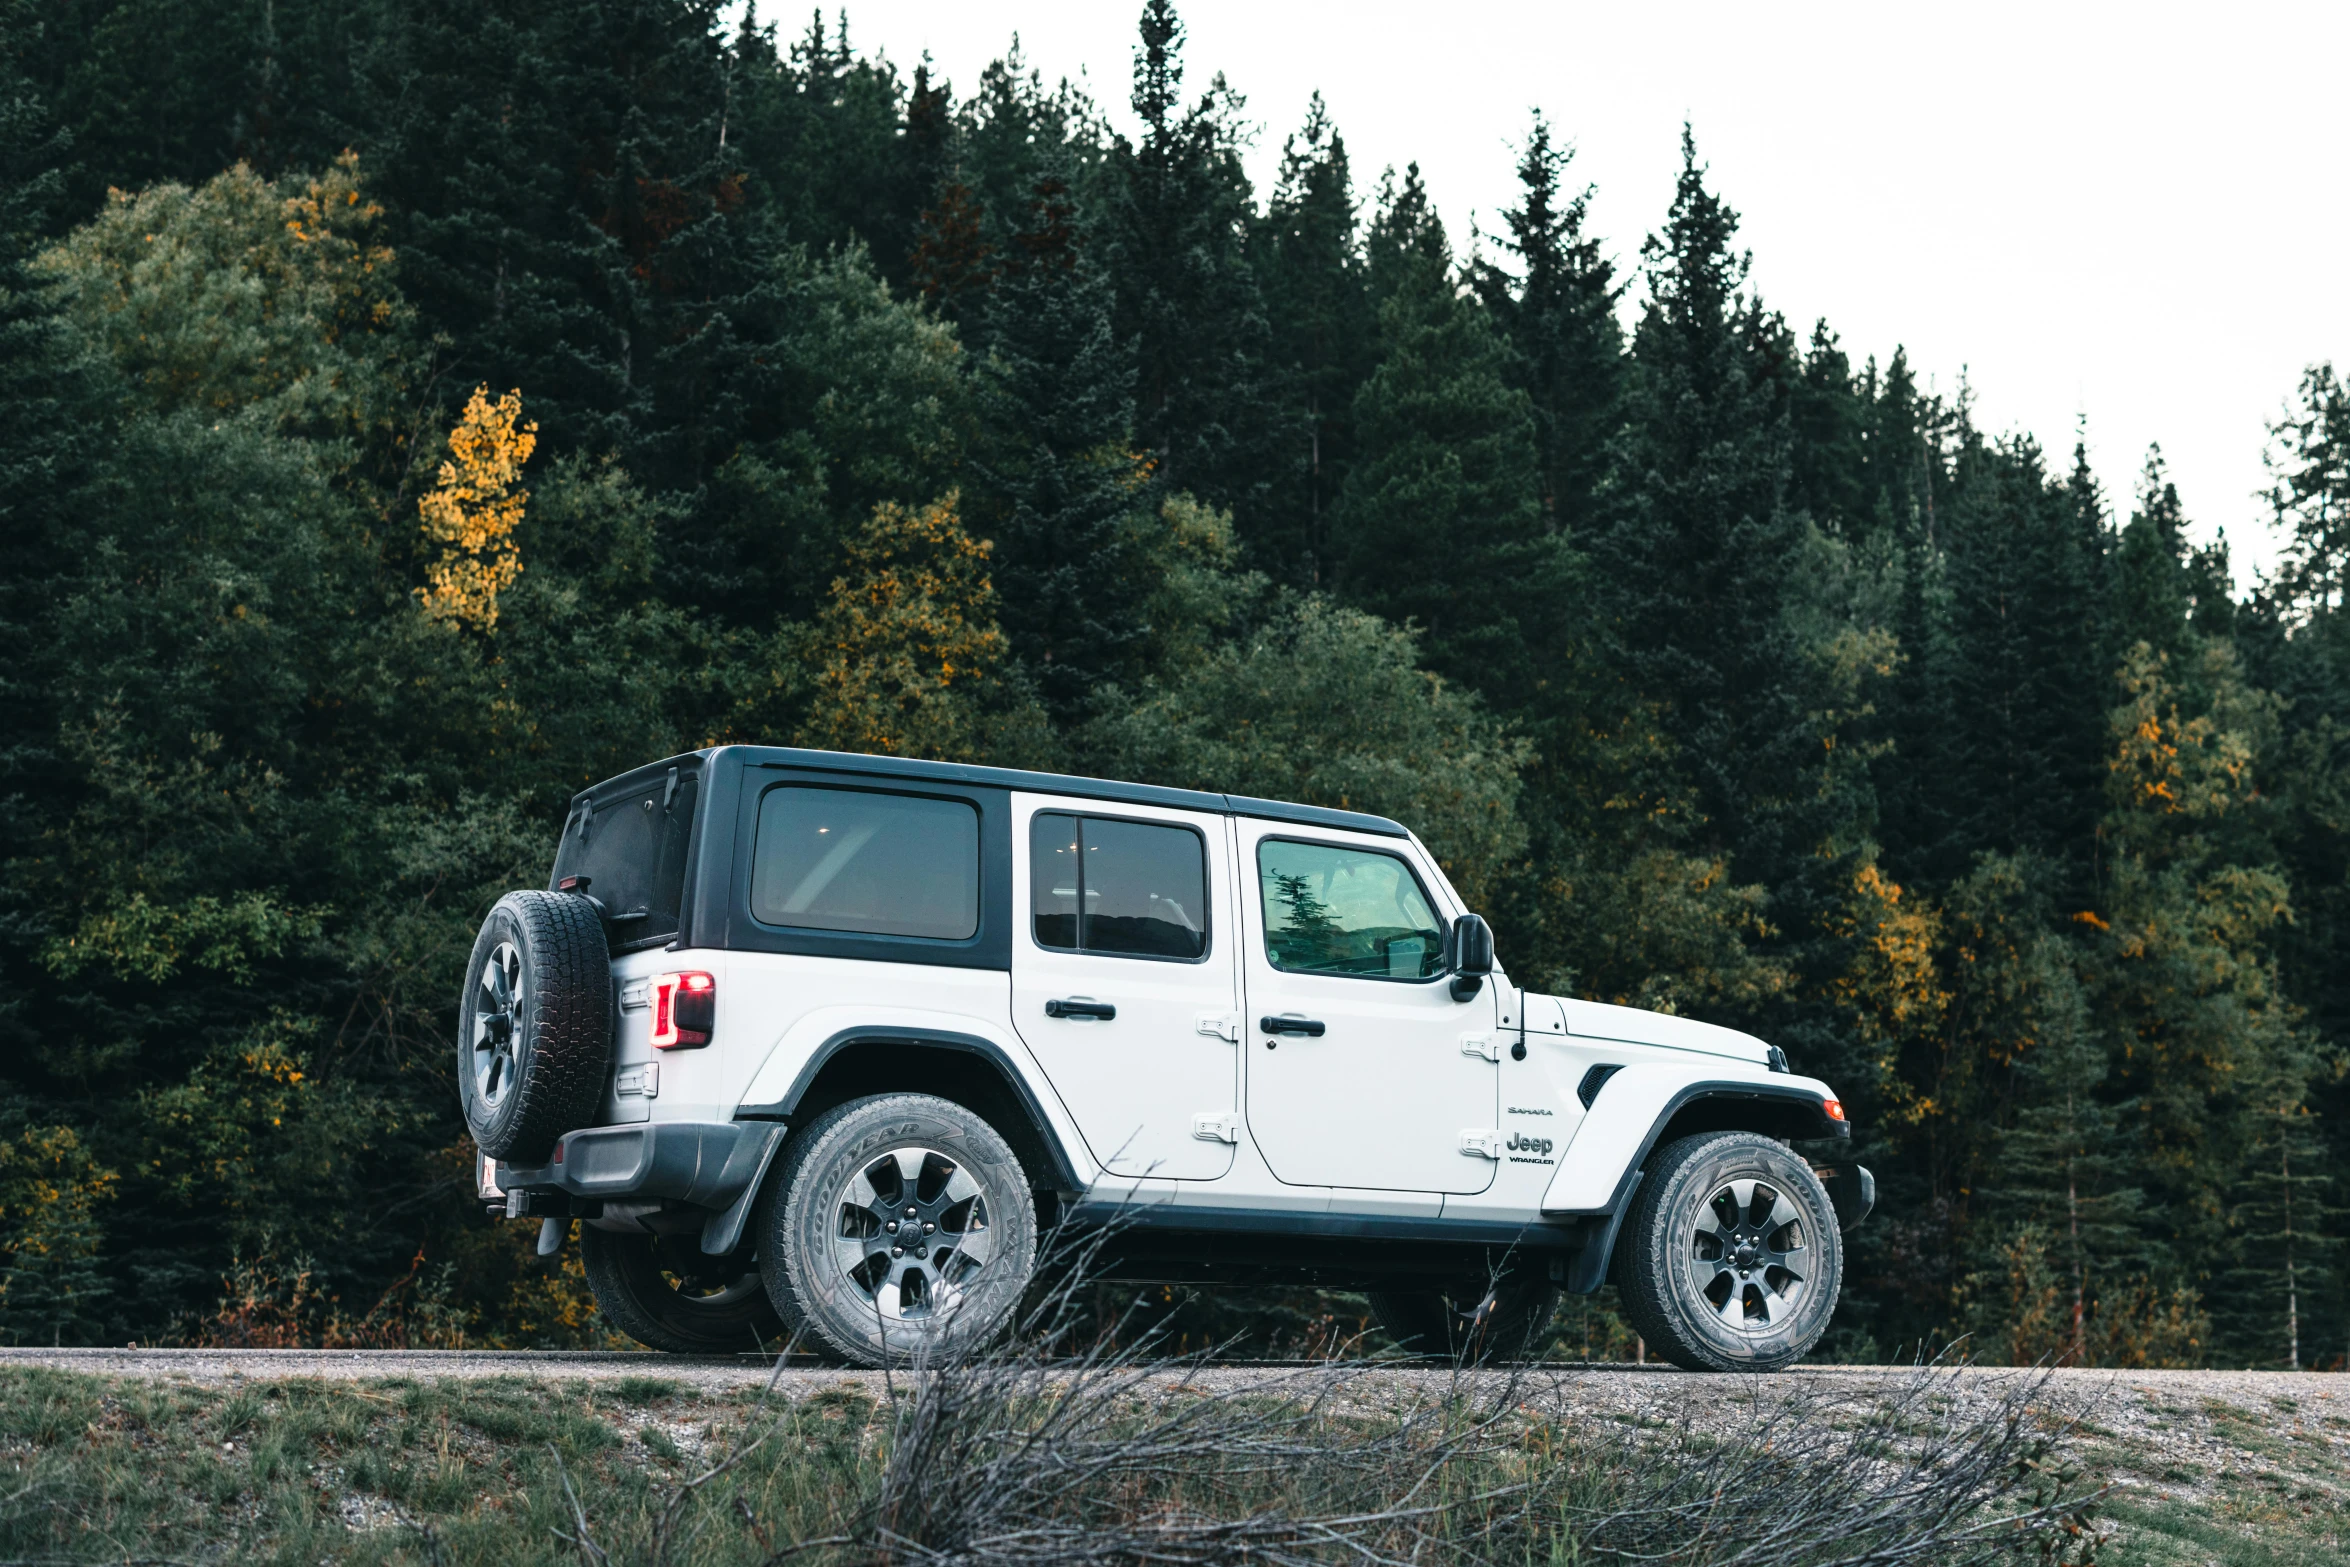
x=1041 y=1449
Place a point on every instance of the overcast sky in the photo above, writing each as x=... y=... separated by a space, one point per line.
x=2135 y=213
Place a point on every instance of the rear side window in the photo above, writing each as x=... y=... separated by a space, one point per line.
x=883 y=864
x=1333 y=910
x=1134 y=889
x=631 y=847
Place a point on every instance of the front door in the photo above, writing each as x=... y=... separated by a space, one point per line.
x=1124 y=982
x=1342 y=934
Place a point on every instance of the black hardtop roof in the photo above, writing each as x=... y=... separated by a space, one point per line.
x=850 y=763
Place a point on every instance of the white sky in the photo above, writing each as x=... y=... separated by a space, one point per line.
x=2134 y=212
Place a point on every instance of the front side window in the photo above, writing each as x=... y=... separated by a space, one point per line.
x=1134 y=889
x=1330 y=910
x=882 y=864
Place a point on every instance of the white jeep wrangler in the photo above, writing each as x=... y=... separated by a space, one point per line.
x=816 y=1044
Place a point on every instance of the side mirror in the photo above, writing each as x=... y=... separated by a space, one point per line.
x=1468 y=955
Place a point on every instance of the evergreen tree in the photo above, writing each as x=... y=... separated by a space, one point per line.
x=1557 y=308
x=1175 y=224
x=2152 y=593
x=1061 y=493
x=2016 y=768
x=2062 y=1165
x=2309 y=459
x=2278 y=1300
x=1829 y=478
x=1404 y=238
x=2183 y=975
x=1901 y=463
x=1439 y=524
x=50 y=437
x=553 y=178
x=1308 y=256
x=1013 y=131
x=154 y=90
x=823 y=139
x=1697 y=556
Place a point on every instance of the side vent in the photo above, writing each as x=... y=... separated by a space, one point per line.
x=1593 y=1081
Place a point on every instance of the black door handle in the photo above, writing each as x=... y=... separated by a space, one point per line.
x=1304 y=1026
x=1101 y=1009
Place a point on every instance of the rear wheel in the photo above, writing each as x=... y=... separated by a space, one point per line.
x=1499 y=1320
x=1730 y=1258
x=899 y=1228
x=663 y=1292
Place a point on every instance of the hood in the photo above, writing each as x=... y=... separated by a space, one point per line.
x=1631 y=1025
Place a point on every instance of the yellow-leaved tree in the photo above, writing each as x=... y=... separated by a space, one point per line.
x=473 y=510
x=907 y=653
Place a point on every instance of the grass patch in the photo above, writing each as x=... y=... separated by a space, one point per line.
x=2242 y=1488
x=1008 y=1462
x=2181 y=1534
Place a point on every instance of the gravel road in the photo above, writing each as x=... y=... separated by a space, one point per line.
x=1631 y=1387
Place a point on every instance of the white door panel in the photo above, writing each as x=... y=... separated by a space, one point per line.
x=1399 y=1072
x=1154 y=1088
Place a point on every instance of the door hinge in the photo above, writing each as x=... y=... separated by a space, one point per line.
x=1219 y=1025
x=637 y=996
x=1486 y=1045
x=1220 y=1127
x=1482 y=1141
x=645 y=1080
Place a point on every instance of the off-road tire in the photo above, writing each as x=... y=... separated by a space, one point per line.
x=661 y=1291
x=559 y=1027
x=802 y=1223
x=1443 y=1323
x=1672 y=1251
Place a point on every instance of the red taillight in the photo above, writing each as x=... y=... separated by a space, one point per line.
x=685 y=1008
x=1834 y=1107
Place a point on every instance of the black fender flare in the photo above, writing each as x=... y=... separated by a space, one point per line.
x=1589 y=1269
x=1063 y=1171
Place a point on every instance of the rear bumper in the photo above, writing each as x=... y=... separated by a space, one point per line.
x=705 y=1163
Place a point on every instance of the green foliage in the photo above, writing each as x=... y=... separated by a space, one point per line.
x=1557 y=310
x=1307 y=254
x=1329 y=706
x=277 y=300
x=2309 y=455
x=1729 y=676
x=51 y=1190
x=1438 y=523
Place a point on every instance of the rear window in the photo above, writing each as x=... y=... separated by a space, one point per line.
x=855 y=860
x=631 y=848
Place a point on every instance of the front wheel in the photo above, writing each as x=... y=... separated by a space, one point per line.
x=1503 y=1320
x=1730 y=1258
x=900 y=1228
x=663 y=1292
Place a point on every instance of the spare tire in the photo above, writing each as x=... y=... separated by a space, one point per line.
x=534 y=1025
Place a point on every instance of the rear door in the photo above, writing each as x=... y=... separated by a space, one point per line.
x=1124 y=982
x=1363 y=1071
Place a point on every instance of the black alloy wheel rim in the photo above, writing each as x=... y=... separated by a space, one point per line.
x=1749 y=1258
x=497 y=1018
x=911 y=1233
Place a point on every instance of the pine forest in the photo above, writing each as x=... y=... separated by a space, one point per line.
x=412 y=411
